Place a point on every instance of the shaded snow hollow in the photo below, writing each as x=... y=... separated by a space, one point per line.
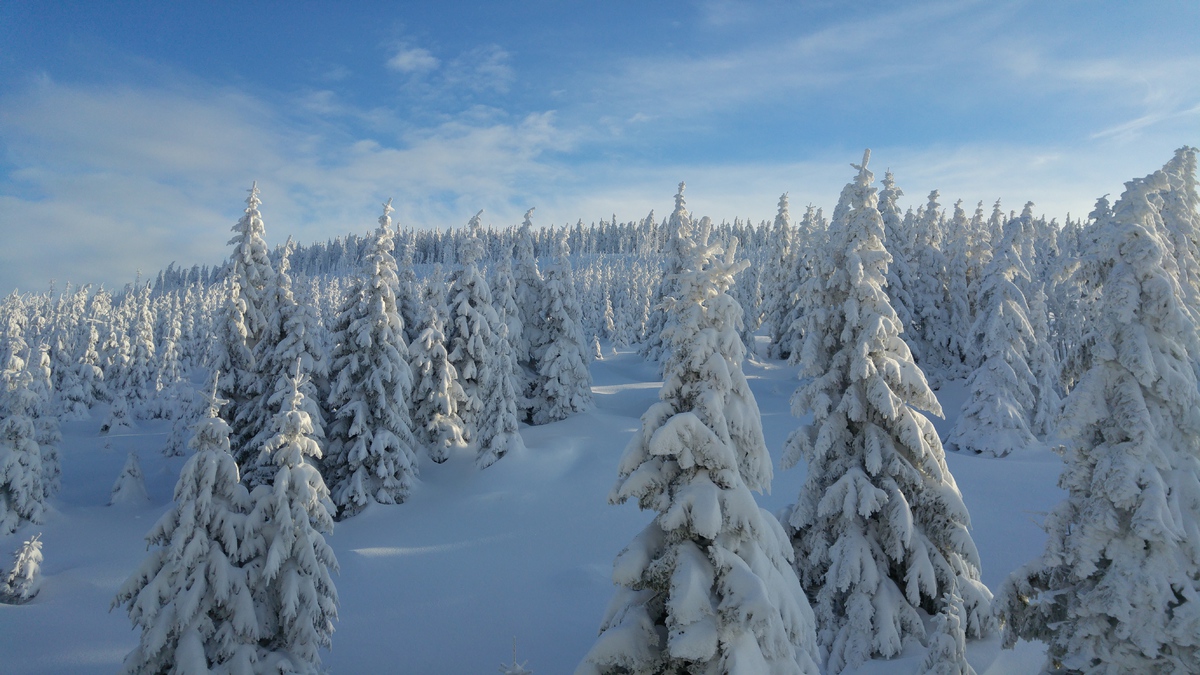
x=442 y=584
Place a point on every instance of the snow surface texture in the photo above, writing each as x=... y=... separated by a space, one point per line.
x=444 y=582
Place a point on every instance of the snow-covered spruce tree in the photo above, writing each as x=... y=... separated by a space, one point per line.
x=190 y=407
x=242 y=326
x=995 y=420
x=498 y=422
x=778 y=295
x=250 y=267
x=471 y=332
x=1180 y=210
x=515 y=668
x=436 y=392
x=498 y=432
x=86 y=384
x=508 y=311
x=609 y=321
x=1047 y=397
x=45 y=422
x=564 y=383
x=169 y=367
x=747 y=290
x=408 y=297
x=119 y=416
x=24 y=580
x=130 y=486
x=433 y=294
x=812 y=266
x=191 y=596
x=290 y=335
x=679 y=257
x=286 y=555
x=947 y=645
x=957 y=301
x=879 y=528
x=929 y=291
x=233 y=358
x=900 y=274
x=136 y=378
x=528 y=279
x=22 y=493
x=1117 y=588
x=371 y=452
x=707 y=586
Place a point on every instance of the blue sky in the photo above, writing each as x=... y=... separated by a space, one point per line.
x=129 y=131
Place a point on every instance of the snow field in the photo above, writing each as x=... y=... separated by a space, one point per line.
x=442 y=584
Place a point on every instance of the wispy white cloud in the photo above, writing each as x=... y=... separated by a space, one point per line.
x=482 y=69
x=857 y=53
x=413 y=60
x=1132 y=128
x=129 y=179
x=136 y=176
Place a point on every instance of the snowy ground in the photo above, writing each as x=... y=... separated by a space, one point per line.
x=444 y=583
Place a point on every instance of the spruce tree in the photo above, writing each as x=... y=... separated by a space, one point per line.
x=287 y=557
x=1179 y=207
x=191 y=596
x=564 y=383
x=779 y=293
x=130 y=486
x=45 y=422
x=136 y=376
x=900 y=274
x=995 y=420
x=290 y=336
x=436 y=393
x=929 y=291
x=879 y=528
x=24 y=580
x=1117 y=588
x=707 y=586
x=86 y=385
x=528 y=295
x=243 y=325
x=22 y=490
x=498 y=423
x=372 y=452
x=408 y=297
x=679 y=257
x=471 y=332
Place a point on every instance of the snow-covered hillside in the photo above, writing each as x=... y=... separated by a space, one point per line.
x=443 y=583
x=438 y=397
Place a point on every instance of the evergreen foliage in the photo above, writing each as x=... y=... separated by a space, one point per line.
x=437 y=393
x=995 y=420
x=130 y=486
x=286 y=556
x=707 y=585
x=191 y=596
x=372 y=452
x=879 y=528
x=471 y=332
x=1118 y=586
x=24 y=580
x=22 y=491
x=564 y=384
